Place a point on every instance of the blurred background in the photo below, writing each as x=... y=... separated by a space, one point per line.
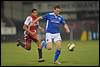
x=81 y=16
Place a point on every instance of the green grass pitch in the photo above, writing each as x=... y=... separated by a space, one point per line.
x=86 y=54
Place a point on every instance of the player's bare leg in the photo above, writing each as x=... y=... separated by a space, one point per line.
x=38 y=43
x=58 y=50
x=49 y=45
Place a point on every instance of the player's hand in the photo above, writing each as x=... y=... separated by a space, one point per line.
x=67 y=30
x=31 y=33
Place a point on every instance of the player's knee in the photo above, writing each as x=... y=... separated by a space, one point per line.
x=58 y=44
x=59 y=47
x=39 y=46
x=28 y=48
x=37 y=41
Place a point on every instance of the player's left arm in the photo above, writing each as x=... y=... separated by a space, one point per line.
x=65 y=25
x=66 y=28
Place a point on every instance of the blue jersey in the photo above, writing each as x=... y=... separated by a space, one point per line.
x=53 y=22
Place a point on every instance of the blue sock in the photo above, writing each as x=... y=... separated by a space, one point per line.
x=57 y=54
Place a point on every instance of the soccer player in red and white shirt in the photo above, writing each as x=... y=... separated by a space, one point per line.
x=30 y=34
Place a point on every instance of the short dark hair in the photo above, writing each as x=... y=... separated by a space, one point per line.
x=57 y=6
x=34 y=10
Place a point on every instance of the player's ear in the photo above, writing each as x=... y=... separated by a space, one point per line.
x=53 y=9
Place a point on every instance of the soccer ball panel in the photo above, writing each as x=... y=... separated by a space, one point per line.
x=71 y=46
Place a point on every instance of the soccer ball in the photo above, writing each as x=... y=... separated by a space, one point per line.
x=71 y=46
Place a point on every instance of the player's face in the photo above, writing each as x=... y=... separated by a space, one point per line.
x=35 y=13
x=57 y=11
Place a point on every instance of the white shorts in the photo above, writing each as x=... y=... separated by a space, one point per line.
x=55 y=37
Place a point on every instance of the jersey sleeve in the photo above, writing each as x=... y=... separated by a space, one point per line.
x=45 y=17
x=28 y=20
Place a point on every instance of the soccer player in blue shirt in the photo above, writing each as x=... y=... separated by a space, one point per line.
x=54 y=19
